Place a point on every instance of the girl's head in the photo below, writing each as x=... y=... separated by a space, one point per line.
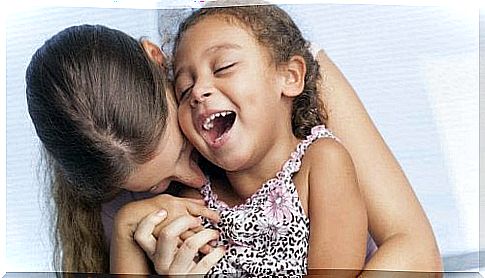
x=251 y=57
x=106 y=117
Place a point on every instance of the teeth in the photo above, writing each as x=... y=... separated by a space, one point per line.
x=209 y=121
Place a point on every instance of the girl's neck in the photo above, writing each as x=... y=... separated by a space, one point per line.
x=246 y=182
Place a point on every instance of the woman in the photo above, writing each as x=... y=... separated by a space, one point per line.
x=99 y=107
x=97 y=99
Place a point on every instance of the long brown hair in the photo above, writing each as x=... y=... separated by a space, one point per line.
x=98 y=105
x=274 y=29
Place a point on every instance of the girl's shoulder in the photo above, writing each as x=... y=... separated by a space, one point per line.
x=320 y=139
x=326 y=150
x=324 y=159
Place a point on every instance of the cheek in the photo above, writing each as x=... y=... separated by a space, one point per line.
x=185 y=121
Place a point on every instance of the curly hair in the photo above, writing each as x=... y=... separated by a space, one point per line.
x=274 y=29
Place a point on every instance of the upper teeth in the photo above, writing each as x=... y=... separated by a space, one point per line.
x=209 y=121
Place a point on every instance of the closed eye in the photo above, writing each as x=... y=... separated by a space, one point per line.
x=184 y=93
x=222 y=69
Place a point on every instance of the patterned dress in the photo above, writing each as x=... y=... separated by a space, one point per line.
x=268 y=234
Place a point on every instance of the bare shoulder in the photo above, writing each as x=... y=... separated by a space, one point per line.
x=331 y=170
x=327 y=151
x=325 y=166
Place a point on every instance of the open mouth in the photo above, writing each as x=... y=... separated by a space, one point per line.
x=215 y=126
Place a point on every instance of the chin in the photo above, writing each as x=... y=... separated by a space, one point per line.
x=234 y=163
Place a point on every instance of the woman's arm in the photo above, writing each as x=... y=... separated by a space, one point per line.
x=397 y=222
x=338 y=219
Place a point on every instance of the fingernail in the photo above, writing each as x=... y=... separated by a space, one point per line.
x=162 y=213
x=314 y=49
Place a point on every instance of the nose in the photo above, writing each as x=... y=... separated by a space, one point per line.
x=200 y=95
x=189 y=173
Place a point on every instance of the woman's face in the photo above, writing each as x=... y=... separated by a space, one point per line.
x=174 y=160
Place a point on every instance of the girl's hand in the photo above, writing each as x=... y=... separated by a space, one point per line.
x=132 y=213
x=126 y=256
x=172 y=253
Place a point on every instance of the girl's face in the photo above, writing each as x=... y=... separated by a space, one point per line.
x=229 y=94
x=173 y=161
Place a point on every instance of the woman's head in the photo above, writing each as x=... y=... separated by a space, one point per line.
x=99 y=106
x=274 y=30
x=105 y=114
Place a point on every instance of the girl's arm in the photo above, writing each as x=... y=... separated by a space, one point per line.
x=338 y=219
x=397 y=222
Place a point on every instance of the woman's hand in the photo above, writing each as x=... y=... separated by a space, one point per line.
x=132 y=213
x=126 y=255
x=173 y=253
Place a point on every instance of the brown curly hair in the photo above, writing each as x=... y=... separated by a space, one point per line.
x=274 y=29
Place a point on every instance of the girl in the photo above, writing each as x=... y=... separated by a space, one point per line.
x=245 y=81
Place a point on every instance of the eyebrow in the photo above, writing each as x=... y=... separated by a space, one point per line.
x=222 y=46
x=176 y=161
x=178 y=158
x=212 y=49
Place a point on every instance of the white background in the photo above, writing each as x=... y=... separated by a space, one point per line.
x=415 y=68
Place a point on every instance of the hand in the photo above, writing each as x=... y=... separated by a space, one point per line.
x=173 y=254
x=128 y=217
x=126 y=255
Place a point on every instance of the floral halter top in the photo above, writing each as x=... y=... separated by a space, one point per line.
x=268 y=234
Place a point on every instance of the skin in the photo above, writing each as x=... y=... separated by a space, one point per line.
x=214 y=72
x=134 y=224
x=133 y=237
x=173 y=151
x=396 y=219
x=214 y=63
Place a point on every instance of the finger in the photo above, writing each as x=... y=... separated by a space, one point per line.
x=209 y=260
x=321 y=54
x=179 y=242
x=204 y=249
x=198 y=210
x=190 y=232
x=314 y=49
x=196 y=201
x=168 y=239
x=190 y=248
x=187 y=234
x=143 y=233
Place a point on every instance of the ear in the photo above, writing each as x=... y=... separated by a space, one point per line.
x=294 y=76
x=154 y=52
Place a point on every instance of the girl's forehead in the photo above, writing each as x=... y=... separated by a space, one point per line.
x=213 y=31
x=215 y=22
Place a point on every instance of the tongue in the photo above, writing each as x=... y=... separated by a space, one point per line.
x=221 y=125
